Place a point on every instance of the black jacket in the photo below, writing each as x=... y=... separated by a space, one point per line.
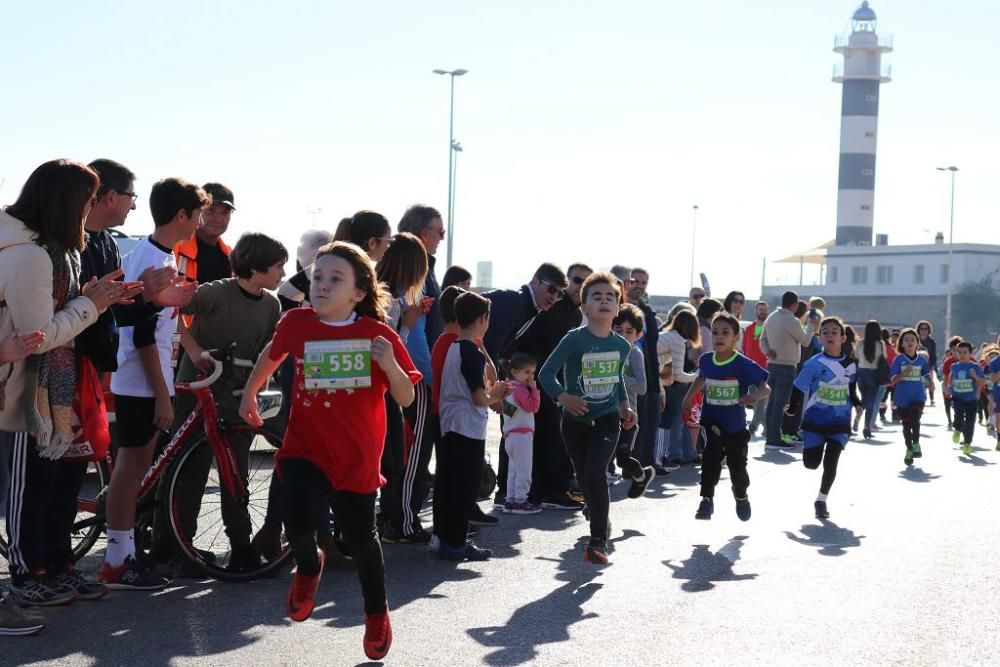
x=512 y=314
x=99 y=341
x=649 y=342
x=549 y=328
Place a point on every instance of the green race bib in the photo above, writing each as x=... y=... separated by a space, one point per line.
x=963 y=386
x=722 y=392
x=832 y=394
x=911 y=373
x=338 y=364
x=599 y=372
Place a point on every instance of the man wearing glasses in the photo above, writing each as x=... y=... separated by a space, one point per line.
x=696 y=296
x=512 y=314
x=551 y=469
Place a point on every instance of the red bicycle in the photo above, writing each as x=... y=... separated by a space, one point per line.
x=183 y=460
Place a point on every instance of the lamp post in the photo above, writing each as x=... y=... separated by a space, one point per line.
x=456 y=148
x=451 y=146
x=694 y=234
x=951 y=241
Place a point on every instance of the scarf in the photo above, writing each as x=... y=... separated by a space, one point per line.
x=50 y=378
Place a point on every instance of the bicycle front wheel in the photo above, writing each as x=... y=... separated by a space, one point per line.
x=208 y=541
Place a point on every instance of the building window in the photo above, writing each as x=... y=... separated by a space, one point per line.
x=866 y=207
x=867 y=172
x=883 y=275
x=918 y=274
x=870 y=98
x=833 y=274
x=859 y=275
x=944 y=273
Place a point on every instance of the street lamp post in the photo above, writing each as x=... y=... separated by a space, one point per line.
x=451 y=147
x=456 y=148
x=951 y=241
x=694 y=234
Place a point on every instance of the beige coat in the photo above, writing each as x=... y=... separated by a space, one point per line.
x=26 y=305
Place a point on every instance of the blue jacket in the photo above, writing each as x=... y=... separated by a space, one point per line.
x=511 y=314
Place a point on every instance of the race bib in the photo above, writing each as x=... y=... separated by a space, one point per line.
x=338 y=364
x=911 y=373
x=599 y=373
x=832 y=394
x=963 y=386
x=722 y=392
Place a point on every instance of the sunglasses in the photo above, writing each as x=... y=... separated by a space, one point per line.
x=697 y=296
x=552 y=289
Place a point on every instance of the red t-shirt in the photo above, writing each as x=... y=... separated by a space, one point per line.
x=890 y=354
x=341 y=431
x=946 y=367
x=438 y=355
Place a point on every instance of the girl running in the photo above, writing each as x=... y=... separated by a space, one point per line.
x=346 y=358
x=910 y=371
x=827 y=385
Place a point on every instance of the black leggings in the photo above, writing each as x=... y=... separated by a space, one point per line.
x=910 y=416
x=590 y=446
x=947 y=408
x=304 y=499
x=732 y=447
x=965 y=418
x=813 y=456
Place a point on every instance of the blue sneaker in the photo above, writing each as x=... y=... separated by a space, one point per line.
x=467 y=551
x=705 y=509
x=743 y=509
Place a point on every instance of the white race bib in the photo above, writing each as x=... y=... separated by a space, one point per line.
x=722 y=392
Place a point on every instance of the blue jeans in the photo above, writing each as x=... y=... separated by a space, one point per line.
x=679 y=445
x=780 y=378
x=869 y=388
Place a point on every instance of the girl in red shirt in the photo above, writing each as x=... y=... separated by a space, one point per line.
x=346 y=358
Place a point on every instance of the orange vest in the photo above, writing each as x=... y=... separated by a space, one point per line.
x=186 y=255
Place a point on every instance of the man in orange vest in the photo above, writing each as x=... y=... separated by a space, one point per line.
x=205 y=258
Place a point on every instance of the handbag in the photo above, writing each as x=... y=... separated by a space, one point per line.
x=488 y=483
x=882 y=374
x=90 y=417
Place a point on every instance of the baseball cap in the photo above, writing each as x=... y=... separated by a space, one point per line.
x=220 y=194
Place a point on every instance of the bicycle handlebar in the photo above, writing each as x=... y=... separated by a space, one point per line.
x=217 y=370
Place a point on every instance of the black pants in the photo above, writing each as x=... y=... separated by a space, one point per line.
x=910 y=416
x=829 y=454
x=947 y=409
x=41 y=509
x=190 y=488
x=732 y=447
x=306 y=490
x=591 y=445
x=459 y=472
x=965 y=418
x=631 y=467
x=644 y=448
x=416 y=477
x=548 y=474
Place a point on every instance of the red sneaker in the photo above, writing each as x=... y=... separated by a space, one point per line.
x=378 y=635
x=302 y=594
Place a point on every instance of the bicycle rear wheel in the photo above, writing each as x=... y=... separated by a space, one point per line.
x=89 y=522
x=208 y=547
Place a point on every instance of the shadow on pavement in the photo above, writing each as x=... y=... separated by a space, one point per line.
x=971 y=459
x=829 y=538
x=703 y=568
x=914 y=474
x=548 y=619
x=776 y=456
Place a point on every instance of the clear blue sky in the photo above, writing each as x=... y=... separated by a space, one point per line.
x=590 y=128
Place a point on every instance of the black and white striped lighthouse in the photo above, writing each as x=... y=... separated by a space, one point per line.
x=861 y=74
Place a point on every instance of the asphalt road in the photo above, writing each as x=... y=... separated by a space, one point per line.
x=904 y=572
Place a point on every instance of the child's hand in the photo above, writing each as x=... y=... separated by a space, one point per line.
x=18 y=347
x=382 y=353
x=747 y=401
x=574 y=405
x=532 y=383
x=249 y=411
x=628 y=417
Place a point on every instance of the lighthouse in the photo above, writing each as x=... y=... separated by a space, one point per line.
x=861 y=74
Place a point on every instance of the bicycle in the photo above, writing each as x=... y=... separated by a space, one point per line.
x=224 y=477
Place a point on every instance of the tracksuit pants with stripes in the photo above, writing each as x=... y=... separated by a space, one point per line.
x=415 y=479
x=41 y=509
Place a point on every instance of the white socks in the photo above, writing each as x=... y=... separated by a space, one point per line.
x=821 y=497
x=121 y=545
